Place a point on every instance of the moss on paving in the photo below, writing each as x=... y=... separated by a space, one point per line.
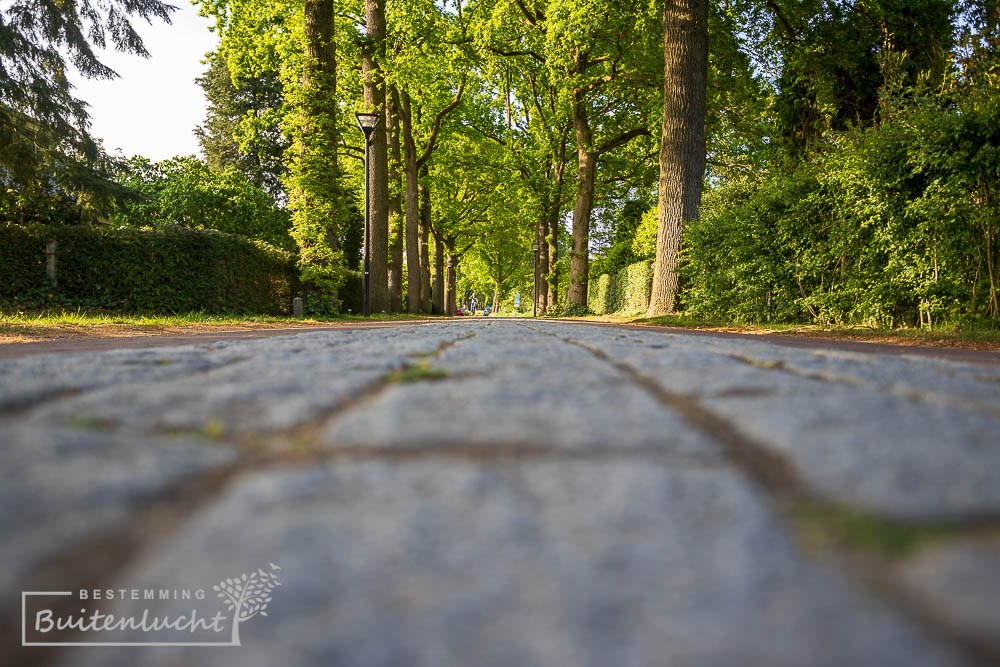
x=823 y=527
x=421 y=370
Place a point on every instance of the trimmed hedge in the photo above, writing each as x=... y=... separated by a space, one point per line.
x=161 y=270
x=627 y=290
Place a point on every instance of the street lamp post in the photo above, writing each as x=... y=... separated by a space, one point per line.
x=534 y=285
x=367 y=122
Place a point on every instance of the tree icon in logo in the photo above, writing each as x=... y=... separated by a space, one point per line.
x=247 y=596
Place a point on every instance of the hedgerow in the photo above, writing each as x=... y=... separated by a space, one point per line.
x=168 y=269
x=624 y=291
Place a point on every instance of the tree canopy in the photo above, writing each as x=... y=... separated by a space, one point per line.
x=770 y=158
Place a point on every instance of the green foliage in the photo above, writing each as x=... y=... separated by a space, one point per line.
x=185 y=191
x=50 y=167
x=624 y=291
x=259 y=38
x=350 y=293
x=895 y=224
x=835 y=65
x=622 y=251
x=644 y=241
x=170 y=269
x=242 y=126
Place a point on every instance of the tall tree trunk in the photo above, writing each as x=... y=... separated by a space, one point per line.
x=555 y=227
x=539 y=278
x=397 y=227
x=554 y=269
x=425 y=229
x=412 y=205
x=437 y=289
x=543 y=267
x=587 y=161
x=378 y=183
x=682 y=143
x=317 y=143
x=320 y=73
x=450 y=299
x=496 y=297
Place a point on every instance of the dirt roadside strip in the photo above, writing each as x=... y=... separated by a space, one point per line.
x=986 y=357
x=19 y=350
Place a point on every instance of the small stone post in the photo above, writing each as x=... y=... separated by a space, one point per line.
x=297 y=309
x=50 y=261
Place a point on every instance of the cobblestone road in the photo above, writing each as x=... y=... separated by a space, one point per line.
x=499 y=492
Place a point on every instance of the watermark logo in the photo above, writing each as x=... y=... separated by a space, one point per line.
x=247 y=596
x=192 y=617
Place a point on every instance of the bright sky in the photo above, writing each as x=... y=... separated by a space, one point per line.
x=154 y=107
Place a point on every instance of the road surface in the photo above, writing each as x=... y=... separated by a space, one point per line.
x=503 y=492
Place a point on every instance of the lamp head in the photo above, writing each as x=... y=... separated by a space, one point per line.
x=367 y=122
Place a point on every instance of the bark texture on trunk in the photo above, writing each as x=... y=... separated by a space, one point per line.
x=437 y=289
x=555 y=230
x=539 y=278
x=378 y=179
x=543 y=269
x=397 y=226
x=320 y=71
x=412 y=206
x=682 y=142
x=425 y=232
x=579 y=260
x=450 y=298
x=319 y=75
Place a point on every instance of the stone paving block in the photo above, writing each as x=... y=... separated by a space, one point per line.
x=59 y=488
x=881 y=453
x=438 y=563
x=509 y=386
x=964 y=386
x=277 y=383
x=960 y=581
x=26 y=381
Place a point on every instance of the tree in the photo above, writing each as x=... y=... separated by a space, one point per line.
x=397 y=229
x=682 y=142
x=415 y=157
x=300 y=42
x=45 y=144
x=372 y=61
x=319 y=207
x=242 y=126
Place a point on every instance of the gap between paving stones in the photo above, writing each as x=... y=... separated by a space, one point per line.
x=788 y=493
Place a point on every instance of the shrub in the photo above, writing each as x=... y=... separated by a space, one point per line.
x=185 y=191
x=169 y=269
